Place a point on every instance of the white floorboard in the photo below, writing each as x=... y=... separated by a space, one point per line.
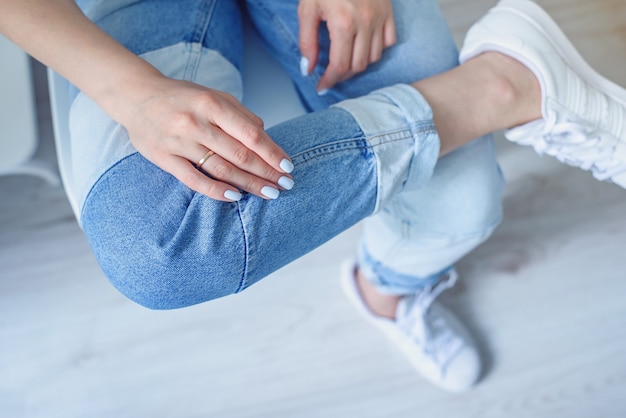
x=544 y=296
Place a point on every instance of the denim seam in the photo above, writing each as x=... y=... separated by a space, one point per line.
x=412 y=130
x=196 y=44
x=201 y=29
x=389 y=137
x=243 y=281
x=330 y=148
x=363 y=142
x=98 y=181
x=354 y=143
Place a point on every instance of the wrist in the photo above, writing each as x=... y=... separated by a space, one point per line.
x=129 y=87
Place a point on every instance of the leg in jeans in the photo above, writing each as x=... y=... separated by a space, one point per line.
x=166 y=247
x=410 y=246
x=419 y=235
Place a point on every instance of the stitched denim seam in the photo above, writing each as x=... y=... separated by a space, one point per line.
x=383 y=138
x=330 y=148
x=206 y=14
x=196 y=44
x=372 y=142
x=413 y=129
x=82 y=211
x=243 y=282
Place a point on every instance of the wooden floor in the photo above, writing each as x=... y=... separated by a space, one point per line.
x=545 y=296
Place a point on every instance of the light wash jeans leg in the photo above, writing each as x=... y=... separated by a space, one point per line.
x=419 y=235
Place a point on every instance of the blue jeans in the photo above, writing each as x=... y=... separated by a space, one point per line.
x=367 y=152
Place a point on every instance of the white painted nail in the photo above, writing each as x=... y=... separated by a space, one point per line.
x=270 y=192
x=286 y=165
x=286 y=183
x=304 y=66
x=323 y=92
x=232 y=195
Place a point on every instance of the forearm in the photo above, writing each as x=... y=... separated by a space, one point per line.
x=57 y=33
x=170 y=122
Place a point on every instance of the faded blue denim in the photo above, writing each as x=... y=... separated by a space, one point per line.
x=372 y=158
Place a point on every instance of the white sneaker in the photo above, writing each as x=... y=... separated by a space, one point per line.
x=430 y=336
x=584 y=114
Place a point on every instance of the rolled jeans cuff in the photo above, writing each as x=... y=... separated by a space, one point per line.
x=398 y=124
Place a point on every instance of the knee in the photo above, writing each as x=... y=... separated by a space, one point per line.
x=160 y=244
x=158 y=278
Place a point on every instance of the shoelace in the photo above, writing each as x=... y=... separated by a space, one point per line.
x=575 y=144
x=435 y=336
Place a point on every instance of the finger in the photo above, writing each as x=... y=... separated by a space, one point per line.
x=210 y=161
x=340 y=59
x=247 y=112
x=199 y=152
x=189 y=175
x=389 y=30
x=309 y=20
x=239 y=155
x=376 y=47
x=220 y=169
x=253 y=137
x=361 y=52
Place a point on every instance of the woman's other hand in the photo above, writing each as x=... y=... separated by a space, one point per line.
x=359 y=32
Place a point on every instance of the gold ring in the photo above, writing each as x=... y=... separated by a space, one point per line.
x=203 y=160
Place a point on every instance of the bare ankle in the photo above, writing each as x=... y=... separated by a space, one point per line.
x=512 y=86
x=487 y=93
x=379 y=304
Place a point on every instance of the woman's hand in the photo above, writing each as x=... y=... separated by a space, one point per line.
x=359 y=32
x=178 y=124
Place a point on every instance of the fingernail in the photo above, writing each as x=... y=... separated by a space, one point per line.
x=304 y=66
x=270 y=192
x=322 y=92
x=286 y=183
x=232 y=195
x=286 y=166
